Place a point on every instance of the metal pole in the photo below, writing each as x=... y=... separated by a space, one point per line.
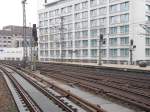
x=25 y=52
x=61 y=36
x=100 y=49
x=131 y=57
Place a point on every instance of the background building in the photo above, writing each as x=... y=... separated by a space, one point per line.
x=70 y=29
x=11 y=42
x=12 y=36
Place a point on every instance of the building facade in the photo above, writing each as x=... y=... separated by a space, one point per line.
x=70 y=29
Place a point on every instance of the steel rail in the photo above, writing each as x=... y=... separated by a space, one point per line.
x=87 y=105
x=32 y=106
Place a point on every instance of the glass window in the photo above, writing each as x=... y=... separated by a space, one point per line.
x=77 y=16
x=93 y=13
x=85 y=24
x=94 y=23
x=77 y=53
x=147 y=52
x=124 y=29
x=103 y=52
x=124 y=6
x=147 y=41
x=84 y=15
x=114 y=19
x=113 y=30
x=93 y=2
x=85 y=43
x=113 y=52
x=85 y=34
x=77 y=35
x=85 y=53
x=94 y=33
x=114 y=8
x=124 y=52
x=124 y=40
x=77 y=43
x=77 y=25
x=85 y=5
x=113 y=41
x=94 y=43
x=102 y=11
x=77 y=7
x=124 y=18
x=94 y=53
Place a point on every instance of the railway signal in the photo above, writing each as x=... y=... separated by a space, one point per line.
x=132 y=47
x=101 y=41
x=34 y=34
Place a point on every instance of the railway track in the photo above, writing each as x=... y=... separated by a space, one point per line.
x=31 y=105
x=61 y=94
x=112 y=84
x=128 y=86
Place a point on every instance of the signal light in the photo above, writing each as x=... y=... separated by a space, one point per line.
x=101 y=36
x=131 y=42
x=34 y=33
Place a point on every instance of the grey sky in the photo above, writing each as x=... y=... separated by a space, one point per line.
x=11 y=11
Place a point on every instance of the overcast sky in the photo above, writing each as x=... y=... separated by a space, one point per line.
x=11 y=12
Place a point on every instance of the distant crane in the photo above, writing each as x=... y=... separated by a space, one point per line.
x=25 y=51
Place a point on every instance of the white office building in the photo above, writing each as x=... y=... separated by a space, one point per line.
x=70 y=29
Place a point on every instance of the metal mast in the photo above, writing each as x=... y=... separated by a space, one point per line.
x=25 y=52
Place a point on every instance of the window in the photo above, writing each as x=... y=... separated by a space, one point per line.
x=85 y=53
x=124 y=18
x=85 y=43
x=70 y=35
x=113 y=30
x=77 y=35
x=113 y=52
x=147 y=41
x=103 y=52
x=114 y=19
x=113 y=41
x=57 y=53
x=77 y=7
x=70 y=44
x=124 y=52
x=102 y=11
x=93 y=13
x=77 y=25
x=102 y=21
x=147 y=52
x=94 y=53
x=93 y=2
x=52 y=53
x=77 y=53
x=124 y=29
x=124 y=6
x=69 y=9
x=64 y=53
x=77 y=16
x=94 y=33
x=114 y=8
x=124 y=40
x=84 y=5
x=77 y=43
x=69 y=27
x=57 y=12
x=85 y=24
x=94 y=43
x=85 y=34
x=84 y=15
x=94 y=23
